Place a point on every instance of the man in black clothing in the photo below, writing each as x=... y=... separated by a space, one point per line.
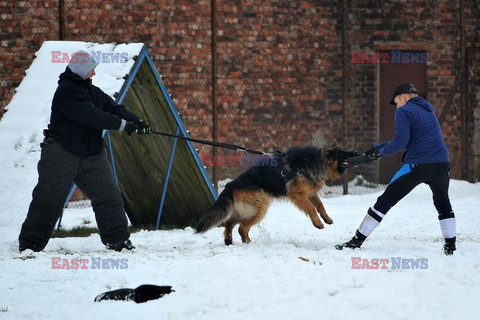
x=73 y=151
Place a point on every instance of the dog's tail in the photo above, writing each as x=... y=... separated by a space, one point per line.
x=218 y=213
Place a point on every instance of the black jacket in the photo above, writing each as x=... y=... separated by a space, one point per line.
x=80 y=112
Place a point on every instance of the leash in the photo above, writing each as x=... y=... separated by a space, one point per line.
x=355 y=161
x=348 y=163
x=215 y=144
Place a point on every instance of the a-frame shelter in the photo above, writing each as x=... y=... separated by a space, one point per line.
x=162 y=180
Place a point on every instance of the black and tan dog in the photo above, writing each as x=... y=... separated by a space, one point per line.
x=299 y=175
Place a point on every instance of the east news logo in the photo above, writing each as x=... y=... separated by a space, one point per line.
x=93 y=263
x=392 y=263
x=99 y=56
x=389 y=57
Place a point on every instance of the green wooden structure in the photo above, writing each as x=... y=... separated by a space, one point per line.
x=162 y=180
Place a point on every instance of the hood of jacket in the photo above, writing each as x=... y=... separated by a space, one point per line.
x=421 y=102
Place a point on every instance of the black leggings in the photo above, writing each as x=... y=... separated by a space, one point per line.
x=436 y=175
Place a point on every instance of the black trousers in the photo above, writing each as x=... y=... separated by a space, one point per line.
x=435 y=175
x=58 y=169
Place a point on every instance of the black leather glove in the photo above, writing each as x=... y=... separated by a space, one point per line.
x=143 y=127
x=130 y=128
x=373 y=153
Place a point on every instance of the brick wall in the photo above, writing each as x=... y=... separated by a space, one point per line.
x=278 y=63
x=24 y=25
x=472 y=28
x=278 y=74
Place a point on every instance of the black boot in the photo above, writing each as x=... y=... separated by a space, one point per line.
x=118 y=246
x=448 y=248
x=34 y=247
x=354 y=243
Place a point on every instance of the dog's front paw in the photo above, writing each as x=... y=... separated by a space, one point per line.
x=319 y=225
x=328 y=221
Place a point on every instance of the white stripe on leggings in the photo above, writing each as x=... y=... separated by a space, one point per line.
x=448 y=227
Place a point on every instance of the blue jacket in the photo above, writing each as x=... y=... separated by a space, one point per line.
x=418 y=132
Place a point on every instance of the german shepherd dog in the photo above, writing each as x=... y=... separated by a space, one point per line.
x=301 y=172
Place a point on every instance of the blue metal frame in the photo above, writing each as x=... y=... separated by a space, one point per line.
x=167 y=178
x=112 y=158
x=180 y=127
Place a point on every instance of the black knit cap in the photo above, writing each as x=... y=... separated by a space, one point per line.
x=401 y=89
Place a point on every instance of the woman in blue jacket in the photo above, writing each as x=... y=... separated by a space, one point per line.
x=426 y=160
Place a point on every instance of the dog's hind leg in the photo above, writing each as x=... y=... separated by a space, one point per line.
x=315 y=199
x=243 y=231
x=227 y=233
x=252 y=209
x=246 y=225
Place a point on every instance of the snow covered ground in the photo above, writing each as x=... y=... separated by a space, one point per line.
x=262 y=280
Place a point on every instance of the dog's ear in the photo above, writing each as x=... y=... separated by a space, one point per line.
x=334 y=144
